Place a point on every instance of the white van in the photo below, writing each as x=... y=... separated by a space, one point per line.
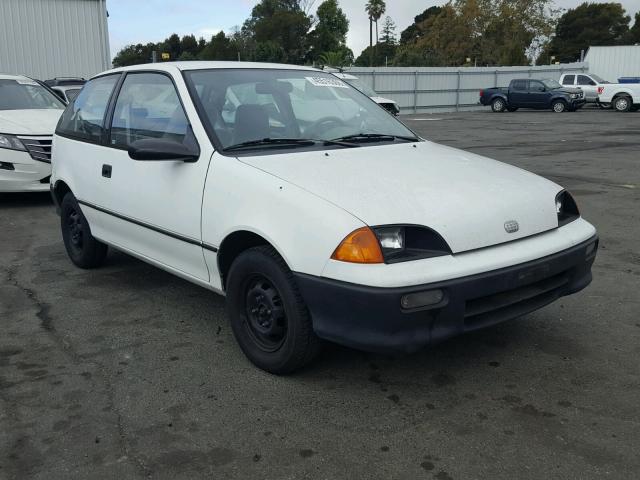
x=335 y=224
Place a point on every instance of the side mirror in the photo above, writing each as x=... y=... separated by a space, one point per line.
x=157 y=149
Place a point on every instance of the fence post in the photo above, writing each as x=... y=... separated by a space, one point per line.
x=495 y=78
x=373 y=74
x=415 y=91
x=458 y=92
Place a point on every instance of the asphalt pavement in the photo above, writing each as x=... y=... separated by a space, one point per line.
x=129 y=372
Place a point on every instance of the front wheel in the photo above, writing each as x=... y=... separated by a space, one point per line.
x=268 y=316
x=558 y=106
x=83 y=249
x=498 y=105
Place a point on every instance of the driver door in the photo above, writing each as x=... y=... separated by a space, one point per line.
x=153 y=208
x=538 y=96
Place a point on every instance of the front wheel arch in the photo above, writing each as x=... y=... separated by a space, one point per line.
x=60 y=189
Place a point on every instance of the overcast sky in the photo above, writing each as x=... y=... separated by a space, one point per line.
x=154 y=20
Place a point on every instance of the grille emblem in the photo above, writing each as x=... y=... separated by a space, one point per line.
x=511 y=226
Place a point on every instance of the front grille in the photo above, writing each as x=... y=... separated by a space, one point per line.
x=495 y=308
x=38 y=147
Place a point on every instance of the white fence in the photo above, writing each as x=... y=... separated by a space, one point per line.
x=449 y=88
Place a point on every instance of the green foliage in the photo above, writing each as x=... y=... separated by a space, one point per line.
x=633 y=35
x=279 y=28
x=416 y=30
x=379 y=55
x=589 y=24
x=330 y=33
x=338 y=59
x=487 y=32
x=388 y=31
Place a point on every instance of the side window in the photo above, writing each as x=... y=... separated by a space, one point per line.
x=148 y=107
x=568 y=79
x=84 y=118
x=520 y=85
x=584 y=80
x=535 y=86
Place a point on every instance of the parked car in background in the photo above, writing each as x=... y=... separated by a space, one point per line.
x=588 y=83
x=28 y=116
x=67 y=88
x=537 y=94
x=354 y=81
x=624 y=97
x=345 y=227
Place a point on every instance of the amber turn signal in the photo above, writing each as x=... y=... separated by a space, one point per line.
x=360 y=246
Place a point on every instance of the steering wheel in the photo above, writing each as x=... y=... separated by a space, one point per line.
x=323 y=124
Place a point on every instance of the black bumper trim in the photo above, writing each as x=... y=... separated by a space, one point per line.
x=371 y=318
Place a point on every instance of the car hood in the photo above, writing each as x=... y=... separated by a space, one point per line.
x=29 y=122
x=465 y=197
x=568 y=90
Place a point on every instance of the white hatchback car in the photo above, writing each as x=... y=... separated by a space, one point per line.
x=28 y=116
x=345 y=227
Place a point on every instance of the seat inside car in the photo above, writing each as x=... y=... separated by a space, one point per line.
x=251 y=123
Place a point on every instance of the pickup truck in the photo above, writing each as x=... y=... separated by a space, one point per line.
x=538 y=94
x=624 y=97
x=588 y=83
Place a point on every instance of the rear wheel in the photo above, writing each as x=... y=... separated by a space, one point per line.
x=498 y=105
x=559 y=106
x=622 y=103
x=83 y=249
x=268 y=316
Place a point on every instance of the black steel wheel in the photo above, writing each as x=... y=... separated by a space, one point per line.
x=268 y=316
x=83 y=249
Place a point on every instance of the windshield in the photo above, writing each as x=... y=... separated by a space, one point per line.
x=551 y=84
x=26 y=94
x=360 y=85
x=249 y=105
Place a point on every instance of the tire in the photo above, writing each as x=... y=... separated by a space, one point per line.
x=622 y=103
x=83 y=249
x=512 y=109
x=498 y=105
x=268 y=316
x=559 y=106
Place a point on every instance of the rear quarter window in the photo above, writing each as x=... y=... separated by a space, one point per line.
x=84 y=118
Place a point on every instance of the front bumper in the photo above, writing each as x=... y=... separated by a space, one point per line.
x=578 y=103
x=21 y=173
x=372 y=319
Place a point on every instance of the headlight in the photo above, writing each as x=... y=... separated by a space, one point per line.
x=11 y=142
x=390 y=244
x=566 y=208
x=574 y=95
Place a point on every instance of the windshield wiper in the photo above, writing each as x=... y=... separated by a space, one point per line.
x=296 y=142
x=366 y=137
x=302 y=142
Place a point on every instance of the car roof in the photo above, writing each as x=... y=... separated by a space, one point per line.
x=8 y=76
x=175 y=67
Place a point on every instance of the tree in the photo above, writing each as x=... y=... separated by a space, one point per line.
x=337 y=59
x=375 y=9
x=589 y=24
x=633 y=35
x=330 y=33
x=189 y=45
x=219 y=48
x=415 y=30
x=134 y=55
x=389 y=31
x=489 y=32
x=279 y=29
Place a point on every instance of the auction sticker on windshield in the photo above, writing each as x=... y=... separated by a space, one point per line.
x=327 y=82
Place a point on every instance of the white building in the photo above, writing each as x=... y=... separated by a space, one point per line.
x=612 y=63
x=54 y=38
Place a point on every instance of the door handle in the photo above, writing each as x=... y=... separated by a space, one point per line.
x=106 y=171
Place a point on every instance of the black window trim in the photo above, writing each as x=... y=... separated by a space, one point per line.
x=105 y=140
x=112 y=107
x=104 y=118
x=213 y=137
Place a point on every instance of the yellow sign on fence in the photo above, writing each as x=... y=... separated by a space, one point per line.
x=165 y=56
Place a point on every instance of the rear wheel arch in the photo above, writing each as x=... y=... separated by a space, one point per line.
x=233 y=245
